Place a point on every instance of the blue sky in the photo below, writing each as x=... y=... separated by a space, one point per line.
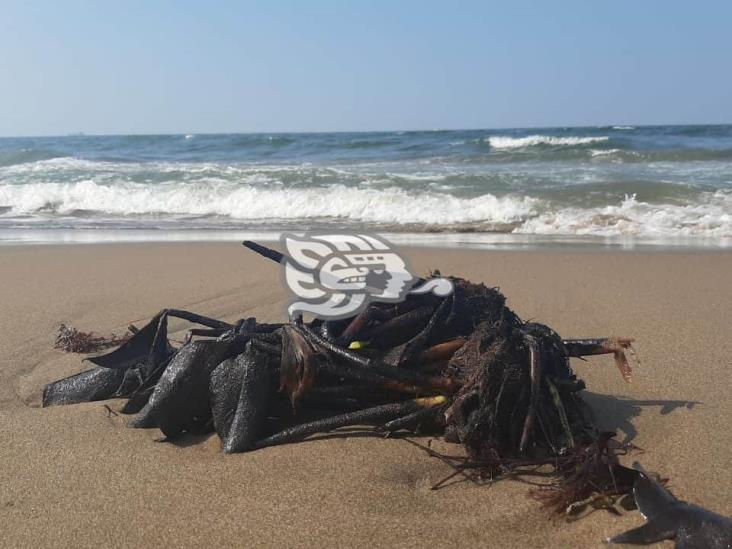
x=317 y=65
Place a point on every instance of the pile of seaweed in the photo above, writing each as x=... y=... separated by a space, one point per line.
x=464 y=366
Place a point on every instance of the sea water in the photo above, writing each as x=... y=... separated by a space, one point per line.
x=614 y=184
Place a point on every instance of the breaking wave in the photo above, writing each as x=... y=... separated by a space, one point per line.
x=708 y=214
x=604 y=152
x=710 y=217
x=505 y=142
x=658 y=182
x=250 y=203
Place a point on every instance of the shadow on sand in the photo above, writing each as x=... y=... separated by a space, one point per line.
x=612 y=413
x=617 y=413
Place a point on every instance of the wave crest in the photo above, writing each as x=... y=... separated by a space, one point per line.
x=505 y=142
x=249 y=203
x=707 y=215
x=710 y=217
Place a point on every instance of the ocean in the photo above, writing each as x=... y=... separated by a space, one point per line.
x=610 y=185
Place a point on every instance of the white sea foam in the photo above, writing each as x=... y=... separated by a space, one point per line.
x=710 y=217
x=604 y=152
x=505 y=142
x=248 y=202
x=418 y=176
x=623 y=127
x=49 y=171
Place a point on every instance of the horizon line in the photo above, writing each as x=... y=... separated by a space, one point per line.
x=312 y=132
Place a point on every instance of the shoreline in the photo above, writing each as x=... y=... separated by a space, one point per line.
x=488 y=241
x=73 y=475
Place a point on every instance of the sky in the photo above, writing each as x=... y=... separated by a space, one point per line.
x=153 y=66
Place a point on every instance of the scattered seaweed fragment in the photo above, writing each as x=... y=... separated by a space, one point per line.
x=71 y=340
x=587 y=476
x=463 y=366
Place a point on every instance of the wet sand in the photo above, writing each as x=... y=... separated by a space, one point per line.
x=76 y=476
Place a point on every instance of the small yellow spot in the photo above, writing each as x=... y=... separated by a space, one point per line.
x=358 y=345
x=429 y=402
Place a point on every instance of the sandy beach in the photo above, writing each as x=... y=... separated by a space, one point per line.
x=75 y=476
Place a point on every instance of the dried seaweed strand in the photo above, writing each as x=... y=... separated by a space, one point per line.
x=71 y=340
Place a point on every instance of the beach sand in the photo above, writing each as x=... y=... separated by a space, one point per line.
x=75 y=476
